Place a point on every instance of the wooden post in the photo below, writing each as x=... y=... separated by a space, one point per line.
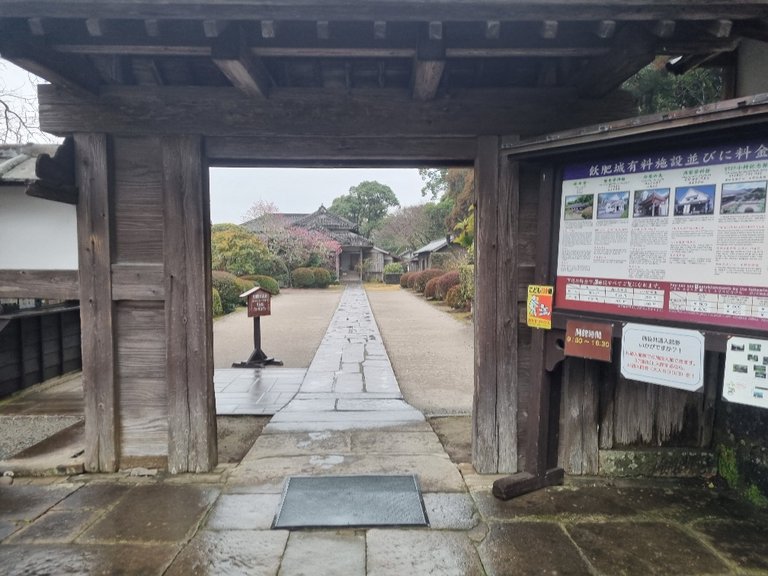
x=494 y=421
x=96 y=307
x=192 y=410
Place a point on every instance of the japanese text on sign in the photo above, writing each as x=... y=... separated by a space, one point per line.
x=665 y=356
x=588 y=340
x=539 y=309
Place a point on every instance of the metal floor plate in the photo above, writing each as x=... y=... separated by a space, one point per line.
x=334 y=501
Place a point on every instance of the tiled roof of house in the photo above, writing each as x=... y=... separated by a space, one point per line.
x=17 y=161
x=432 y=246
x=322 y=218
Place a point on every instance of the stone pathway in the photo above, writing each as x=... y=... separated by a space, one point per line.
x=220 y=523
x=350 y=383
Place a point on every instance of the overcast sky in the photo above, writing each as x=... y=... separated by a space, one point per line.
x=235 y=190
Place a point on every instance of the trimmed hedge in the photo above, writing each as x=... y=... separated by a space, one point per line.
x=404 y=279
x=229 y=287
x=453 y=297
x=430 y=289
x=303 y=278
x=393 y=268
x=467 y=274
x=445 y=283
x=425 y=276
x=267 y=282
x=322 y=277
x=218 y=310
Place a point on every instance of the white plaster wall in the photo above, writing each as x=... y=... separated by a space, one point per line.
x=752 y=70
x=36 y=234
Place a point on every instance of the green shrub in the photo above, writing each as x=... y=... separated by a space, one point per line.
x=275 y=268
x=267 y=282
x=393 y=268
x=430 y=289
x=229 y=287
x=453 y=297
x=425 y=276
x=412 y=280
x=467 y=276
x=322 y=277
x=218 y=310
x=404 y=279
x=445 y=282
x=303 y=278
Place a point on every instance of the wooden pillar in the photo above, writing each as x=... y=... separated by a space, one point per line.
x=96 y=307
x=494 y=417
x=188 y=322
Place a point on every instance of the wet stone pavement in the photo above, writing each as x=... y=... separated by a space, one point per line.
x=348 y=418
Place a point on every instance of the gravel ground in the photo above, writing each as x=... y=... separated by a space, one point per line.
x=18 y=433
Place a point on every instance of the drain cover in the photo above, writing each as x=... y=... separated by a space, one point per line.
x=331 y=501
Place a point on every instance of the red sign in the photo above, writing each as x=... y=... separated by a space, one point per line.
x=591 y=340
x=259 y=303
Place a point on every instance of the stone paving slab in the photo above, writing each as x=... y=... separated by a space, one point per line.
x=57 y=526
x=22 y=504
x=531 y=548
x=450 y=511
x=744 y=544
x=646 y=548
x=422 y=552
x=243 y=512
x=251 y=552
x=146 y=560
x=173 y=512
x=436 y=473
x=324 y=553
x=255 y=391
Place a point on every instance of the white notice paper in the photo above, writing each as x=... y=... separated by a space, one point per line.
x=665 y=356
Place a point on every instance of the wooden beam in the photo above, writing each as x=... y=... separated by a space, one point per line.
x=435 y=30
x=492 y=29
x=663 y=28
x=605 y=29
x=74 y=74
x=36 y=26
x=96 y=307
x=246 y=73
x=633 y=49
x=95 y=27
x=405 y=10
x=268 y=29
x=143 y=282
x=380 y=30
x=146 y=72
x=55 y=193
x=152 y=27
x=386 y=113
x=53 y=284
x=526 y=52
x=720 y=28
x=334 y=151
x=426 y=78
x=323 y=30
x=188 y=321
x=548 y=29
x=485 y=438
x=212 y=28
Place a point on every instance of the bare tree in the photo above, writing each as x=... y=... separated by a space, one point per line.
x=19 y=121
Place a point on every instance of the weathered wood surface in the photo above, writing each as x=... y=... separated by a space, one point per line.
x=189 y=339
x=138 y=208
x=330 y=151
x=579 y=411
x=92 y=165
x=138 y=282
x=370 y=10
x=53 y=284
x=485 y=436
x=293 y=112
x=141 y=368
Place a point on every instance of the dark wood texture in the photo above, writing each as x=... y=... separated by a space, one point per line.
x=407 y=10
x=138 y=282
x=579 y=413
x=426 y=78
x=36 y=345
x=292 y=112
x=53 y=284
x=246 y=73
x=418 y=152
x=495 y=407
x=92 y=165
x=192 y=412
x=524 y=482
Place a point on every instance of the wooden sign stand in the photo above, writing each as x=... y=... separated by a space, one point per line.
x=259 y=304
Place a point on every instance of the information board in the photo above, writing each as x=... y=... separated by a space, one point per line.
x=746 y=363
x=676 y=235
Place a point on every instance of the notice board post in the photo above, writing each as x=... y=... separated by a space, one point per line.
x=259 y=304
